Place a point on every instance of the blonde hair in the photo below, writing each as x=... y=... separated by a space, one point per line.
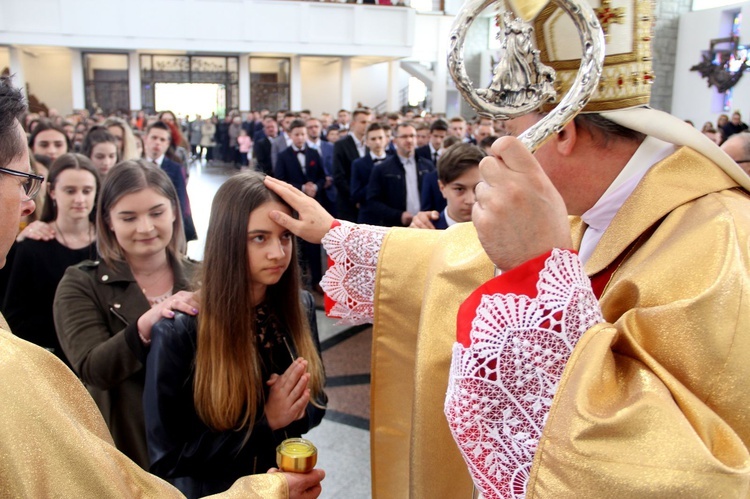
x=128 y=140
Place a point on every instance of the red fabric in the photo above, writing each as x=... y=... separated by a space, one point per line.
x=520 y=281
x=328 y=303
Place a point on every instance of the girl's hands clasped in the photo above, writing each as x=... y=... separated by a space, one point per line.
x=288 y=396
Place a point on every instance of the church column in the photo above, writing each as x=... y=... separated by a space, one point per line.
x=392 y=103
x=295 y=84
x=134 y=81
x=78 y=87
x=16 y=68
x=439 y=83
x=346 y=83
x=244 y=83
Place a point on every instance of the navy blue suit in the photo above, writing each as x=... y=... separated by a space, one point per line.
x=326 y=154
x=431 y=198
x=174 y=172
x=426 y=153
x=441 y=223
x=262 y=153
x=361 y=170
x=288 y=169
x=386 y=191
x=344 y=153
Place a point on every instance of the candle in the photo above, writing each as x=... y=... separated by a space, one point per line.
x=296 y=455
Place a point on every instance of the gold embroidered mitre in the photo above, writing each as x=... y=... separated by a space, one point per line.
x=627 y=74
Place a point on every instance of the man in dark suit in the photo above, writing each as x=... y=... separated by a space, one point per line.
x=156 y=145
x=283 y=140
x=325 y=149
x=302 y=167
x=309 y=178
x=432 y=150
x=345 y=151
x=376 y=139
x=262 y=147
x=393 y=190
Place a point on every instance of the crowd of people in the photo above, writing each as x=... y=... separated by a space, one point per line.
x=101 y=262
x=585 y=336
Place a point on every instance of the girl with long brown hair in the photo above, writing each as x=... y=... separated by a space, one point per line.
x=223 y=389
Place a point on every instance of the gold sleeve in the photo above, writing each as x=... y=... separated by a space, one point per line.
x=656 y=403
x=54 y=442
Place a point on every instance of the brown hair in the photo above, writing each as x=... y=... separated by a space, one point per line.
x=66 y=162
x=456 y=160
x=228 y=386
x=126 y=178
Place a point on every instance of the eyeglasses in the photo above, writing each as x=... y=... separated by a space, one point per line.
x=412 y=136
x=30 y=185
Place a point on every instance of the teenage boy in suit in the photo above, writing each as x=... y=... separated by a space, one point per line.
x=345 y=151
x=458 y=175
x=376 y=139
x=158 y=139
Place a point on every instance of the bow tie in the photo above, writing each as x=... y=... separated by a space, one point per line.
x=300 y=151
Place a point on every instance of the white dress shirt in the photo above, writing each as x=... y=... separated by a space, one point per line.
x=412 y=188
x=599 y=216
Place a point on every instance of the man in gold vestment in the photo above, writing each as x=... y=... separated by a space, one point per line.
x=651 y=398
x=53 y=439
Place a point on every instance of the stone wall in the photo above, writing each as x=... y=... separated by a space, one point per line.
x=664 y=49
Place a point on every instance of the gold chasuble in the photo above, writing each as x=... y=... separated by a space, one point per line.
x=654 y=403
x=54 y=442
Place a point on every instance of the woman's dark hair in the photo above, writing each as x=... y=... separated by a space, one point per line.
x=12 y=108
x=66 y=162
x=228 y=386
x=45 y=125
x=97 y=135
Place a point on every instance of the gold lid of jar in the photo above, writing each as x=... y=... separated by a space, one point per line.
x=296 y=455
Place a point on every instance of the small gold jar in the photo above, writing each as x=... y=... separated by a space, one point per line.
x=296 y=455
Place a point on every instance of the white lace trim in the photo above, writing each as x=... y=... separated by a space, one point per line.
x=501 y=387
x=350 y=281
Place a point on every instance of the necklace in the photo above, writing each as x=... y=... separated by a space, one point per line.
x=155 y=283
x=89 y=237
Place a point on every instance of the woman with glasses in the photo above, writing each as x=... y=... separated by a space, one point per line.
x=104 y=309
x=38 y=266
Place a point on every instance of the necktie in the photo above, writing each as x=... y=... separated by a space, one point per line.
x=434 y=158
x=302 y=160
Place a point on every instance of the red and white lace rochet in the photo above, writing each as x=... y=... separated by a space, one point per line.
x=350 y=279
x=501 y=386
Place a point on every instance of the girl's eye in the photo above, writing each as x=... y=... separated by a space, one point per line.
x=287 y=236
x=156 y=214
x=259 y=239
x=128 y=219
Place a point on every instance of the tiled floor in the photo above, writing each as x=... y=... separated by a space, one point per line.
x=343 y=438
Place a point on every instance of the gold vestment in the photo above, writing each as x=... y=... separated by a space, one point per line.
x=654 y=403
x=54 y=442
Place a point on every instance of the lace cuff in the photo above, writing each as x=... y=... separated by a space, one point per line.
x=353 y=252
x=501 y=386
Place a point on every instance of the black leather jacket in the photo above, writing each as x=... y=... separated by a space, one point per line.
x=182 y=449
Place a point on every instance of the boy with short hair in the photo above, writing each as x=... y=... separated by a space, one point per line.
x=458 y=174
x=376 y=139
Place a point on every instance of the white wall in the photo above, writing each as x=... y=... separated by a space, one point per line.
x=4 y=58
x=370 y=84
x=691 y=97
x=269 y=26
x=321 y=84
x=48 y=75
